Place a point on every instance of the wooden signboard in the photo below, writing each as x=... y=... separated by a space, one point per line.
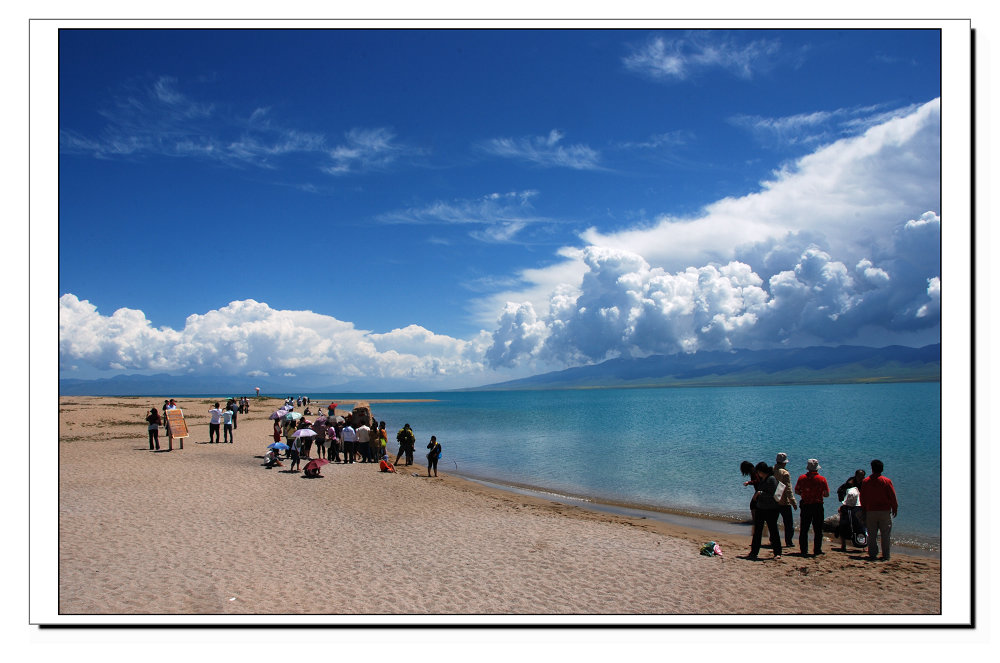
x=175 y=419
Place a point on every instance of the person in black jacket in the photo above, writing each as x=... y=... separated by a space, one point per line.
x=433 y=455
x=766 y=512
x=153 y=424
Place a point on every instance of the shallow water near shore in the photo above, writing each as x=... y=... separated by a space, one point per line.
x=679 y=449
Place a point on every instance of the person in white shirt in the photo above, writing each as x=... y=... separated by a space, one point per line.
x=850 y=498
x=213 y=424
x=228 y=417
x=350 y=438
x=364 y=436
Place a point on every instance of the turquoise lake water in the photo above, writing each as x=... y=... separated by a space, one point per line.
x=680 y=448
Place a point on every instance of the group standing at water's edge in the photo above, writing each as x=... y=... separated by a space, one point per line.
x=876 y=512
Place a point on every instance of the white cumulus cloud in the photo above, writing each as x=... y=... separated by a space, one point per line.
x=251 y=338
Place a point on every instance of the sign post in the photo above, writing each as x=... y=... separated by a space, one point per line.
x=176 y=427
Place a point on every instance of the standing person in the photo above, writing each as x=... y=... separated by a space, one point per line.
x=878 y=496
x=383 y=440
x=213 y=424
x=153 y=426
x=169 y=405
x=406 y=441
x=747 y=470
x=433 y=455
x=228 y=423
x=234 y=408
x=336 y=442
x=350 y=441
x=305 y=443
x=373 y=452
x=850 y=510
x=813 y=488
x=294 y=454
x=277 y=430
x=319 y=427
x=364 y=434
x=787 y=500
x=331 y=410
x=288 y=429
x=766 y=512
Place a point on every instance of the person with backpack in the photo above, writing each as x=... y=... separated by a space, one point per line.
x=787 y=500
x=766 y=512
x=406 y=442
x=433 y=455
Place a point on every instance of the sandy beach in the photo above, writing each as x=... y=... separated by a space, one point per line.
x=208 y=531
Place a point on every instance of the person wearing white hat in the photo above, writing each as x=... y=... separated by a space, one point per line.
x=787 y=500
x=812 y=488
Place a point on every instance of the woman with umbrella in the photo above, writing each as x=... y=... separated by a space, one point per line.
x=305 y=439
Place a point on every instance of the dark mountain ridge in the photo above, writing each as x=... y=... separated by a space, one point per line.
x=810 y=365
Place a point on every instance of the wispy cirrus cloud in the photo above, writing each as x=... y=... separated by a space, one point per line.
x=495 y=217
x=158 y=119
x=666 y=140
x=545 y=151
x=663 y=58
x=365 y=149
x=817 y=127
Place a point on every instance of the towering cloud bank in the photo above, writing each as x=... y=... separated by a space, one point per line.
x=837 y=247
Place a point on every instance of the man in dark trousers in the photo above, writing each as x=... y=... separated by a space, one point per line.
x=406 y=441
x=812 y=488
x=878 y=499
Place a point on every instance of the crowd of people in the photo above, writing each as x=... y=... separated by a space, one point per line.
x=867 y=507
x=348 y=439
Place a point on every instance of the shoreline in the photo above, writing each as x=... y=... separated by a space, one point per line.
x=198 y=532
x=709 y=524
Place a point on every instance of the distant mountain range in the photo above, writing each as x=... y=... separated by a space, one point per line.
x=164 y=384
x=812 y=365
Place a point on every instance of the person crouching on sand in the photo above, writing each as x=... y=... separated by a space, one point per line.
x=272 y=459
x=384 y=465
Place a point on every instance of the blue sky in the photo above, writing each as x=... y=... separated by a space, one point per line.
x=457 y=207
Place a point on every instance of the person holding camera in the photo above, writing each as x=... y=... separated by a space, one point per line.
x=153 y=426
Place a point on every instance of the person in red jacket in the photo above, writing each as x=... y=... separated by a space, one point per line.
x=878 y=499
x=812 y=488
